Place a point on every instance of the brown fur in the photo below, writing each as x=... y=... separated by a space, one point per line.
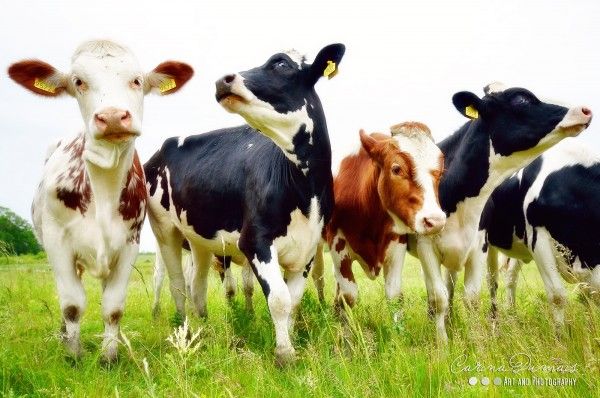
x=360 y=195
x=178 y=71
x=71 y=313
x=25 y=73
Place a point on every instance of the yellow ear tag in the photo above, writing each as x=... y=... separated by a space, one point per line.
x=166 y=85
x=471 y=112
x=44 y=85
x=330 y=71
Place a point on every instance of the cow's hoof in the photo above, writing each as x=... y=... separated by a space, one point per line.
x=73 y=347
x=109 y=358
x=155 y=311
x=284 y=356
x=202 y=313
x=177 y=320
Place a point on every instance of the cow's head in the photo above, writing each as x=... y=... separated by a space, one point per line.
x=278 y=98
x=410 y=166
x=109 y=86
x=517 y=120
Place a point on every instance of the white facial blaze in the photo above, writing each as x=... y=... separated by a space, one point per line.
x=426 y=157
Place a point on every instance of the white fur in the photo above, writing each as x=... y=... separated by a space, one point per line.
x=99 y=240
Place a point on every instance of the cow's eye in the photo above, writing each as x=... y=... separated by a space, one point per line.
x=520 y=99
x=280 y=64
x=396 y=169
x=79 y=84
x=137 y=82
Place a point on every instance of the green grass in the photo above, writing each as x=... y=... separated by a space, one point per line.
x=372 y=356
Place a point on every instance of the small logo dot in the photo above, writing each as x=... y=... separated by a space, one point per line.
x=485 y=381
x=497 y=381
x=473 y=380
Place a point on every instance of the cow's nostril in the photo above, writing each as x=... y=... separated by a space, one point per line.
x=126 y=116
x=586 y=111
x=427 y=222
x=229 y=79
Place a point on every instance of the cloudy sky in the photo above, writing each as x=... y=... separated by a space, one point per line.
x=404 y=60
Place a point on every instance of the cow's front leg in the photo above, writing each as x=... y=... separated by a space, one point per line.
x=113 y=300
x=392 y=269
x=474 y=273
x=71 y=296
x=436 y=290
x=296 y=283
x=347 y=290
x=265 y=264
x=392 y=274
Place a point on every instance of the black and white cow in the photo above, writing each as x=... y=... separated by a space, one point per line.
x=553 y=200
x=261 y=192
x=509 y=129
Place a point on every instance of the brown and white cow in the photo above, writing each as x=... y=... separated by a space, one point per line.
x=385 y=191
x=90 y=205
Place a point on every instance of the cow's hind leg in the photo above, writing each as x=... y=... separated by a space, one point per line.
x=248 y=284
x=543 y=254
x=512 y=278
x=318 y=273
x=158 y=279
x=199 y=282
x=229 y=282
x=170 y=248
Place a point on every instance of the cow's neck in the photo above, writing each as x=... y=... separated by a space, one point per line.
x=475 y=170
x=107 y=185
x=306 y=145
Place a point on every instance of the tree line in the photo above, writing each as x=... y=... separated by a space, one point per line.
x=16 y=234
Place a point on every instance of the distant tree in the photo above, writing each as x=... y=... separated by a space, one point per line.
x=16 y=234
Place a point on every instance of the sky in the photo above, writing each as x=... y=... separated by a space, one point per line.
x=404 y=61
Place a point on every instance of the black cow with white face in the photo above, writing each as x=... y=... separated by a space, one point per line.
x=508 y=129
x=261 y=192
x=552 y=201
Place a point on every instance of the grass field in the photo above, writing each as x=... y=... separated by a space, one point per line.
x=233 y=353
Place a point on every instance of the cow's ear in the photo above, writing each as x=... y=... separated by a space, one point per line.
x=467 y=103
x=326 y=63
x=372 y=146
x=168 y=77
x=39 y=77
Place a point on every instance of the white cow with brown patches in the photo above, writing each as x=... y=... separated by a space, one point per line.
x=90 y=205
